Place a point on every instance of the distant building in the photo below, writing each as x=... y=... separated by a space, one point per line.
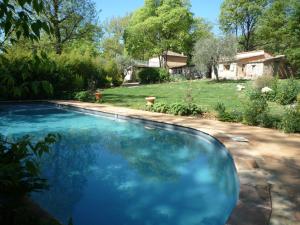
x=251 y=65
x=174 y=62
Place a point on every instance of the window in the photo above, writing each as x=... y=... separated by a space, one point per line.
x=253 y=67
x=227 y=67
x=243 y=67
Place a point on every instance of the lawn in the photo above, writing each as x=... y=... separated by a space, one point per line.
x=205 y=93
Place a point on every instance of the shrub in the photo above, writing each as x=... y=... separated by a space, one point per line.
x=263 y=81
x=85 y=96
x=223 y=115
x=160 y=107
x=38 y=76
x=117 y=82
x=254 y=94
x=164 y=75
x=287 y=92
x=290 y=122
x=181 y=109
x=185 y=109
x=20 y=173
x=254 y=110
x=25 y=77
x=149 y=75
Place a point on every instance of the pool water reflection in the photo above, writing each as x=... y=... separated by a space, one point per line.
x=120 y=172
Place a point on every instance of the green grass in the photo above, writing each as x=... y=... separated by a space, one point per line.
x=205 y=93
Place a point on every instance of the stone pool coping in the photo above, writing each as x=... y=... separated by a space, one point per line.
x=267 y=161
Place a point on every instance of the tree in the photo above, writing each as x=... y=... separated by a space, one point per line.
x=241 y=17
x=113 y=42
x=200 y=29
x=210 y=51
x=18 y=19
x=278 y=29
x=71 y=20
x=159 y=26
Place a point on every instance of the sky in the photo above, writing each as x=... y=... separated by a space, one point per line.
x=208 y=9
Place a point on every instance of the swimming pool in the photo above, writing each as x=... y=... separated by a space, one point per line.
x=115 y=171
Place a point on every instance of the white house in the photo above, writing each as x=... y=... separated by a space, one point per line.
x=251 y=65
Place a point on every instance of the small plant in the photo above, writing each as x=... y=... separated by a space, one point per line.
x=85 y=96
x=291 y=120
x=223 y=115
x=287 y=92
x=160 y=107
x=254 y=109
x=182 y=109
x=20 y=173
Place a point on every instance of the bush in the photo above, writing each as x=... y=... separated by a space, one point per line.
x=255 y=109
x=85 y=96
x=287 y=92
x=38 y=76
x=182 y=109
x=164 y=75
x=264 y=81
x=23 y=77
x=160 y=107
x=149 y=75
x=290 y=122
x=117 y=82
x=20 y=173
x=223 y=115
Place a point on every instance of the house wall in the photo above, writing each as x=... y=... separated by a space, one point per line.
x=239 y=71
x=279 y=68
x=154 y=62
x=226 y=73
x=172 y=61
x=253 y=70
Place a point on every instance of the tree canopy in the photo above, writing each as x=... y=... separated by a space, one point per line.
x=210 y=51
x=160 y=26
x=72 y=20
x=241 y=17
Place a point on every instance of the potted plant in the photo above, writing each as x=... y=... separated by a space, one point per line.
x=150 y=100
x=98 y=95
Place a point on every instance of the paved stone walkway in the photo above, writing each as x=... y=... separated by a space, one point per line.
x=267 y=160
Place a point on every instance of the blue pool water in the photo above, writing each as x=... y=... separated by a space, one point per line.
x=110 y=171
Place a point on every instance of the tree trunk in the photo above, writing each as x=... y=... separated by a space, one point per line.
x=57 y=34
x=216 y=72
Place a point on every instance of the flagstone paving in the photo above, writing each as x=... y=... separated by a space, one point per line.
x=267 y=160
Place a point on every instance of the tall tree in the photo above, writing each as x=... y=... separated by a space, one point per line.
x=113 y=42
x=210 y=51
x=241 y=18
x=159 y=26
x=278 y=29
x=71 y=20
